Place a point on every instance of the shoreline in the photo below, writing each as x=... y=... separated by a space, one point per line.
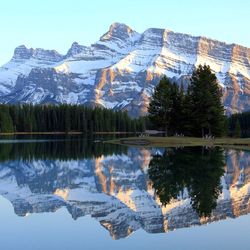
x=67 y=133
x=181 y=142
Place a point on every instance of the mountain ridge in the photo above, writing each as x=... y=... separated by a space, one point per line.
x=121 y=70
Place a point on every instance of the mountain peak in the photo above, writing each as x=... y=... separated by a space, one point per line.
x=75 y=49
x=22 y=52
x=120 y=26
x=21 y=47
x=118 y=31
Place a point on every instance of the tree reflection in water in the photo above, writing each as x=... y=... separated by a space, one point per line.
x=58 y=148
x=197 y=169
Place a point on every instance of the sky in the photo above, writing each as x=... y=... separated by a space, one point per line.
x=56 y=24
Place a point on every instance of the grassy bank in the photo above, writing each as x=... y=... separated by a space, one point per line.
x=182 y=141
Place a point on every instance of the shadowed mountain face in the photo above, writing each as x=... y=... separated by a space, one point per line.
x=126 y=189
x=121 y=70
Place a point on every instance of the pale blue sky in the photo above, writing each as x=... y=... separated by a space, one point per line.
x=55 y=24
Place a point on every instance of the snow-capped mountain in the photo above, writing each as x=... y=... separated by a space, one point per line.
x=116 y=191
x=121 y=70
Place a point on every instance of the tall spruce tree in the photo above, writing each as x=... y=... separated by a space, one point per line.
x=177 y=115
x=207 y=111
x=161 y=105
x=166 y=107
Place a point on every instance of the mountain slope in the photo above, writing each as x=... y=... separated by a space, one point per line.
x=121 y=70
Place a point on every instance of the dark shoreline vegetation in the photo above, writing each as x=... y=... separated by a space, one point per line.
x=65 y=118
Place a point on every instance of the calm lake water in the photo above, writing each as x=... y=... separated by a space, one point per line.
x=77 y=193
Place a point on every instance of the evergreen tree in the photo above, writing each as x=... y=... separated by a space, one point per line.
x=237 y=130
x=6 y=123
x=207 y=111
x=67 y=120
x=177 y=114
x=161 y=105
x=243 y=127
x=187 y=125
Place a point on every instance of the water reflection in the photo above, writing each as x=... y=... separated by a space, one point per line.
x=196 y=169
x=69 y=148
x=126 y=189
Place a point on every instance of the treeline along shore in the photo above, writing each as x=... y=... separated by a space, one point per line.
x=28 y=118
x=59 y=119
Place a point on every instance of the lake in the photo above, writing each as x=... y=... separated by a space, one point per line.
x=69 y=192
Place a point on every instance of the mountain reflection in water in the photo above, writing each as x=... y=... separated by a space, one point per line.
x=126 y=189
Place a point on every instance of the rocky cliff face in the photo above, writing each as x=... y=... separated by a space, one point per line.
x=116 y=191
x=121 y=70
